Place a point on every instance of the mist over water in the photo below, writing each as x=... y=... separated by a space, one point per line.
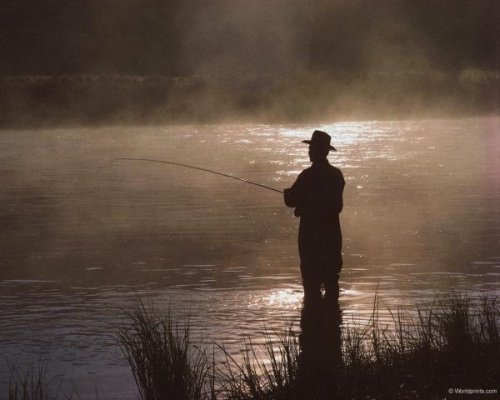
x=234 y=86
x=161 y=61
x=84 y=235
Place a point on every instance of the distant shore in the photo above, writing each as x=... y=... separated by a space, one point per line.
x=95 y=100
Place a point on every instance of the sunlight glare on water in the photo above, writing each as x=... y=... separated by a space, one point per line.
x=285 y=298
x=88 y=235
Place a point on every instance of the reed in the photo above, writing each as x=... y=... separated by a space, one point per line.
x=164 y=363
x=256 y=379
x=30 y=383
x=454 y=343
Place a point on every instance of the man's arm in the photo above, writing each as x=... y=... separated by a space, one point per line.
x=338 y=198
x=294 y=196
x=290 y=197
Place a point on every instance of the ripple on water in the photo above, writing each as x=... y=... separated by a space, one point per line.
x=416 y=202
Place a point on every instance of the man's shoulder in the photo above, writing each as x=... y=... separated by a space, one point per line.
x=313 y=171
x=331 y=169
x=336 y=173
x=306 y=173
x=335 y=169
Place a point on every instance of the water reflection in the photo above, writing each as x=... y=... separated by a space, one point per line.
x=320 y=348
x=82 y=236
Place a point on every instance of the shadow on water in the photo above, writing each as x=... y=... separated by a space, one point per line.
x=78 y=245
x=320 y=349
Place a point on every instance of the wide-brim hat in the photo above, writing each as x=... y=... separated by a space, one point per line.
x=320 y=139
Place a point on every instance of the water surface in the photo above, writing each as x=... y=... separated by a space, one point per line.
x=83 y=235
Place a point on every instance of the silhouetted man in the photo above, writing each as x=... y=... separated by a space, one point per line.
x=317 y=198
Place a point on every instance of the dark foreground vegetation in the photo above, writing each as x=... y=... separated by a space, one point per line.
x=430 y=353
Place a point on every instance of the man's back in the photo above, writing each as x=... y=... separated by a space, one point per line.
x=317 y=193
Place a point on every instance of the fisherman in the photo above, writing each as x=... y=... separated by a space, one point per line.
x=316 y=196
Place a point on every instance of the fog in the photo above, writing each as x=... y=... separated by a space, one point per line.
x=197 y=60
x=69 y=213
x=234 y=86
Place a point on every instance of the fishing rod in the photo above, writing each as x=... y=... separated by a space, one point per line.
x=199 y=169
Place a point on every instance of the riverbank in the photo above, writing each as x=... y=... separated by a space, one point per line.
x=94 y=100
x=438 y=352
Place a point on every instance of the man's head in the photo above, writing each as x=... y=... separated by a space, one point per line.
x=319 y=146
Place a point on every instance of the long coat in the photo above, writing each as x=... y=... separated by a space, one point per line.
x=317 y=198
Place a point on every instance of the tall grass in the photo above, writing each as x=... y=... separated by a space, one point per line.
x=29 y=384
x=452 y=343
x=417 y=354
x=164 y=363
x=273 y=376
x=421 y=354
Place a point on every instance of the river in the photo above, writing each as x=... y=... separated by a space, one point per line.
x=83 y=235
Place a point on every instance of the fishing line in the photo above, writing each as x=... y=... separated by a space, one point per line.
x=199 y=169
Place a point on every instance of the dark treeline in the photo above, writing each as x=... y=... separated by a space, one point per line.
x=403 y=34
x=267 y=53
x=54 y=37
x=176 y=37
